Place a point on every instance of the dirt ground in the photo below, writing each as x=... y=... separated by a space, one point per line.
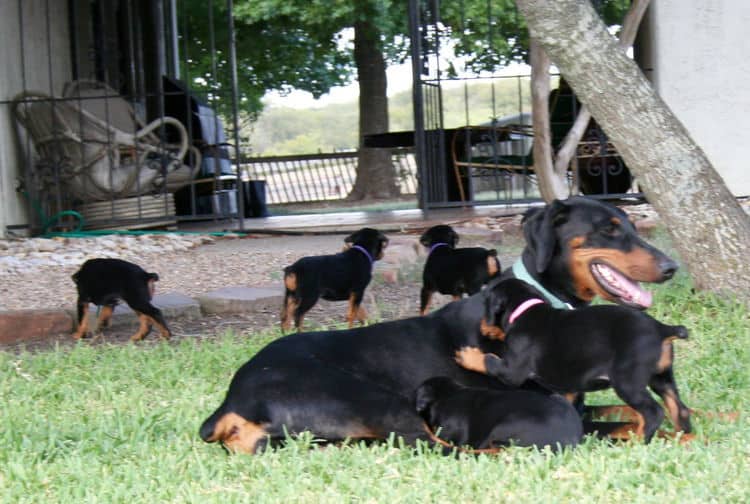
x=385 y=298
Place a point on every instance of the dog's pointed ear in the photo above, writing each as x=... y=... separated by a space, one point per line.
x=539 y=231
x=424 y=397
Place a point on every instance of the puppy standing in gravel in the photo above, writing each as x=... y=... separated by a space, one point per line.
x=337 y=277
x=104 y=282
x=453 y=271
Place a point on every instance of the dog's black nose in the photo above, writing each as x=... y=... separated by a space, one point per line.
x=668 y=268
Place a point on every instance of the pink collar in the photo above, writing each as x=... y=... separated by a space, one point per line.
x=522 y=308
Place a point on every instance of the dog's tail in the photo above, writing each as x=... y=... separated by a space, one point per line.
x=674 y=331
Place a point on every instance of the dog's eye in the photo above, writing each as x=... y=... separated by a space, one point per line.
x=611 y=230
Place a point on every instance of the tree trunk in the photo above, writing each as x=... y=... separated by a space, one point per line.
x=551 y=185
x=710 y=229
x=376 y=175
x=552 y=168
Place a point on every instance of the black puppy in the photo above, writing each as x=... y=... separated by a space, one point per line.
x=484 y=418
x=104 y=282
x=453 y=271
x=338 y=277
x=571 y=351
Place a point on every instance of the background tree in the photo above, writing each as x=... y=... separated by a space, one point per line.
x=709 y=227
x=294 y=44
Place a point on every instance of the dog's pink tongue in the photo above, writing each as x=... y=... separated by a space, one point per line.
x=623 y=287
x=639 y=296
x=632 y=291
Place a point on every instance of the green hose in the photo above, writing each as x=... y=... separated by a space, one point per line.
x=48 y=222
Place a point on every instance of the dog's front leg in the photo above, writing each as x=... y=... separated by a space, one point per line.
x=473 y=359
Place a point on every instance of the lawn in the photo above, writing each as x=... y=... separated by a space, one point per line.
x=119 y=423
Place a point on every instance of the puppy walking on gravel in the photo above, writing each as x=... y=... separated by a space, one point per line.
x=104 y=282
x=453 y=271
x=337 y=277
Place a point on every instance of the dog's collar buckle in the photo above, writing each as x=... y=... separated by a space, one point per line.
x=365 y=252
x=521 y=309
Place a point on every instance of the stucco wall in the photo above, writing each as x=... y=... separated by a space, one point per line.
x=38 y=71
x=698 y=52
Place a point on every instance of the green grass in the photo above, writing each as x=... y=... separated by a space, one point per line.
x=119 y=424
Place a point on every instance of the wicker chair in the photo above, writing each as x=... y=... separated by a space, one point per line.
x=91 y=142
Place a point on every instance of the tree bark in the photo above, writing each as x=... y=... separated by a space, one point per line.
x=627 y=36
x=376 y=175
x=709 y=228
x=551 y=186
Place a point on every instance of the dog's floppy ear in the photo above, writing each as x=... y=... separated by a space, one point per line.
x=426 y=238
x=424 y=397
x=454 y=238
x=494 y=304
x=352 y=238
x=539 y=231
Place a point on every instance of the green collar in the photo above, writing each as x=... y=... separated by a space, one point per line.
x=520 y=272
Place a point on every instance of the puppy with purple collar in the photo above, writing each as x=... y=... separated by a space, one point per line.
x=337 y=277
x=453 y=271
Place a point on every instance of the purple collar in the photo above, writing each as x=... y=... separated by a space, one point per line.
x=365 y=252
x=439 y=244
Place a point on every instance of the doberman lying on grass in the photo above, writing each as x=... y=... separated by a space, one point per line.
x=359 y=383
x=572 y=351
x=104 y=282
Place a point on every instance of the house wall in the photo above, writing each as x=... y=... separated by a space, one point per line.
x=698 y=52
x=35 y=55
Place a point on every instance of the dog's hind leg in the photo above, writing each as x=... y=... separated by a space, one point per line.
x=425 y=297
x=105 y=317
x=651 y=414
x=83 y=320
x=664 y=386
x=303 y=307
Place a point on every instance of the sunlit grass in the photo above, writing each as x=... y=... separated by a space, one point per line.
x=111 y=423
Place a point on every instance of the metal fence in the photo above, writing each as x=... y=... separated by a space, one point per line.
x=487 y=157
x=320 y=177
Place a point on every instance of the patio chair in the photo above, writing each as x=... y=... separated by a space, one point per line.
x=92 y=143
x=508 y=147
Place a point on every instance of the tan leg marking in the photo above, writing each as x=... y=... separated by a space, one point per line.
x=163 y=331
x=622 y=411
x=491 y=331
x=105 y=316
x=237 y=434
x=471 y=358
x=665 y=360
x=571 y=397
x=83 y=327
x=351 y=311
x=427 y=305
x=492 y=268
x=631 y=430
x=143 y=329
x=287 y=311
